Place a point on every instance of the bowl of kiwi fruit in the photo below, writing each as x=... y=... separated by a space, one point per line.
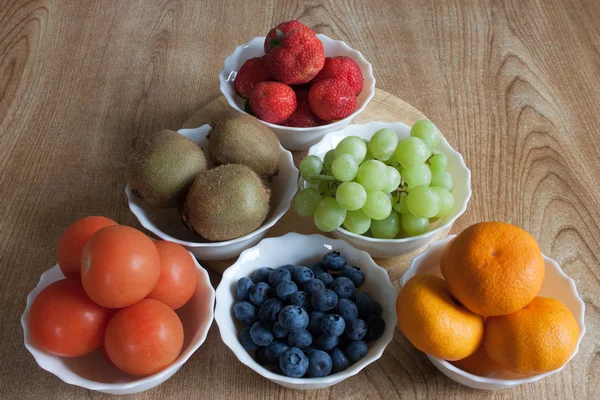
x=216 y=190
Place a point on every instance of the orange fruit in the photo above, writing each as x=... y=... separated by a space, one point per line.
x=539 y=338
x=478 y=363
x=434 y=323
x=493 y=268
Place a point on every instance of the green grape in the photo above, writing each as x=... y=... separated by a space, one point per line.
x=344 y=167
x=393 y=180
x=328 y=160
x=372 y=175
x=438 y=161
x=328 y=215
x=357 y=222
x=442 y=179
x=423 y=202
x=386 y=228
x=417 y=176
x=427 y=132
x=378 y=205
x=352 y=145
x=306 y=201
x=412 y=152
x=400 y=206
x=447 y=201
x=351 y=196
x=383 y=144
x=414 y=226
x=310 y=166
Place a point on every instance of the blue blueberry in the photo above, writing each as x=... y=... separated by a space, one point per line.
x=314 y=324
x=246 y=340
x=279 y=331
x=293 y=318
x=274 y=350
x=339 y=360
x=300 y=339
x=308 y=349
x=269 y=310
x=327 y=343
x=334 y=261
x=300 y=299
x=376 y=309
x=261 y=334
x=356 y=329
x=243 y=287
x=313 y=285
x=245 y=312
x=285 y=289
x=347 y=309
x=302 y=275
x=290 y=268
x=262 y=275
x=319 y=364
x=376 y=329
x=354 y=274
x=260 y=356
x=259 y=293
x=324 y=300
x=363 y=304
x=293 y=362
x=317 y=268
x=332 y=325
x=356 y=350
x=343 y=287
x=326 y=278
x=279 y=275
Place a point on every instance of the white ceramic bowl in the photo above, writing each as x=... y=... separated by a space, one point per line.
x=92 y=371
x=167 y=224
x=296 y=249
x=297 y=138
x=383 y=248
x=556 y=285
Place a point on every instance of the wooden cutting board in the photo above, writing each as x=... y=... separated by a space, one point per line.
x=383 y=107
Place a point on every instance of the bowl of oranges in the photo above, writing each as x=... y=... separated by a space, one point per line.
x=119 y=313
x=489 y=309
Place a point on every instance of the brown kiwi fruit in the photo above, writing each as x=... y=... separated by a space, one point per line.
x=242 y=139
x=162 y=169
x=226 y=202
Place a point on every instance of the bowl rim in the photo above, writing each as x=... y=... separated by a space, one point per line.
x=136 y=206
x=427 y=234
x=223 y=76
x=499 y=381
x=103 y=386
x=355 y=368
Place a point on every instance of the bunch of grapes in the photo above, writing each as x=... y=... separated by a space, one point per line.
x=384 y=187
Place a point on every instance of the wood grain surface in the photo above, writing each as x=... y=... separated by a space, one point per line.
x=512 y=84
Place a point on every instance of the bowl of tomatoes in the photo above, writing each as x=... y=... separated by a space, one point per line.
x=119 y=313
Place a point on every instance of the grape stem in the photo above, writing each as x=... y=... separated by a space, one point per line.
x=322 y=178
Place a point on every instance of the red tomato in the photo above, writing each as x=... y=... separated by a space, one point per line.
x=178 y=277
x=70 y=245
x=65 y=321
x=144 y=338
x=119 y=266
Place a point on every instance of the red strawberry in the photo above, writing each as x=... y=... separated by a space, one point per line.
x=303 y=117
x=252 y=72
x=297 y=59
x=342 y=68
x=273 y=102
x=332 y=99
x=273 y=37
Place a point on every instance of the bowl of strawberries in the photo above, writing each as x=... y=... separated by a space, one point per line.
x=300 y=84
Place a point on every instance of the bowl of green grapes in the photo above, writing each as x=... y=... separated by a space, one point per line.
x=386 y=188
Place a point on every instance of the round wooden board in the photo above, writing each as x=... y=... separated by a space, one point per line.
x=383 y=107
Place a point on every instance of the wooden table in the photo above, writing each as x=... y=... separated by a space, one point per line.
x=514 y=86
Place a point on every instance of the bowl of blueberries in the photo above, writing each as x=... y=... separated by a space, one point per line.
x=306 y=312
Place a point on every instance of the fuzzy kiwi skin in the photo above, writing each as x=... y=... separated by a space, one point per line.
x=242 y=139
x=163 y=168
x=226 y=202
